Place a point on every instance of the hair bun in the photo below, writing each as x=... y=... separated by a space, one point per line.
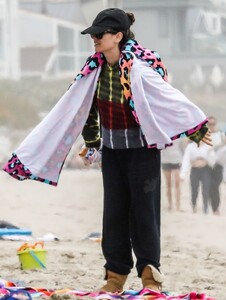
x=131 y=17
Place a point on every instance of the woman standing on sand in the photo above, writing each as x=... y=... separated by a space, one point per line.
x=140 y=113
x=131 y=130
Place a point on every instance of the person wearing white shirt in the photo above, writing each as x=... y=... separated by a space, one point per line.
x=198 y=160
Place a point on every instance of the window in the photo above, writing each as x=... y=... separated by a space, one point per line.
x=66 y=39
x=223 y=25
x=66 y=63
x=66 y=49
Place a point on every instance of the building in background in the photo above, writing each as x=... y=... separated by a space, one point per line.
x=178 y=26
x=42 y=37
x=9 y=54
x=189 y=34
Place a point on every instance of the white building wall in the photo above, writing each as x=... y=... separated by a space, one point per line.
x=36 y=30
x=12 y=54
x=69 y=47
x=3 y=63
x=22 y=32
x=9 y=52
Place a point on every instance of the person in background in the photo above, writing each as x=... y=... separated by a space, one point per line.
x=122 y=98
x=224 y=171
x=199 y=161
x=224 y=158
x=216 y=172
x=221 y=160
x=171 y=158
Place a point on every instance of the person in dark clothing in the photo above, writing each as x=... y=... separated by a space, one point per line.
x=216 y=172
x=132 y=138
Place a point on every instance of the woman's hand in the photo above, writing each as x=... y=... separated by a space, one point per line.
x=207 y=138
x=83 y=154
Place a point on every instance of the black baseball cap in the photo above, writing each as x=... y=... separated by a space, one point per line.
x=110 y=18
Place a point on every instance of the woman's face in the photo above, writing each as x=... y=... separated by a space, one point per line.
x=107 y=42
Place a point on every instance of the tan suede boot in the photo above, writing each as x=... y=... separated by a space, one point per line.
x=152 y=278
x=115 y=282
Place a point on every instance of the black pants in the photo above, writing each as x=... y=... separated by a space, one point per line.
x=131 y=218
x=197 y=176
x=215 y=181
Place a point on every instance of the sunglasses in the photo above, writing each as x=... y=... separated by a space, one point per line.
x=99 y=36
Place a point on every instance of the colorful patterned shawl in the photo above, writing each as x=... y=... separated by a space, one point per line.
x=163 y=113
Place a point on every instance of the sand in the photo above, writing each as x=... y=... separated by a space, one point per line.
x=193 y=245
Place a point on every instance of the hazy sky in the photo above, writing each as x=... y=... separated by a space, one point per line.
x=219 y=1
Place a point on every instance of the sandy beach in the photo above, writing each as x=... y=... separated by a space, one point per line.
x=193 y=245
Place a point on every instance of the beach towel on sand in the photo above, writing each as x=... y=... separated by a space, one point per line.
x=8 y=289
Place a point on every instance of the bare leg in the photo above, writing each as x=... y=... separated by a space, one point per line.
x=167 y=174
x=177 y=187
